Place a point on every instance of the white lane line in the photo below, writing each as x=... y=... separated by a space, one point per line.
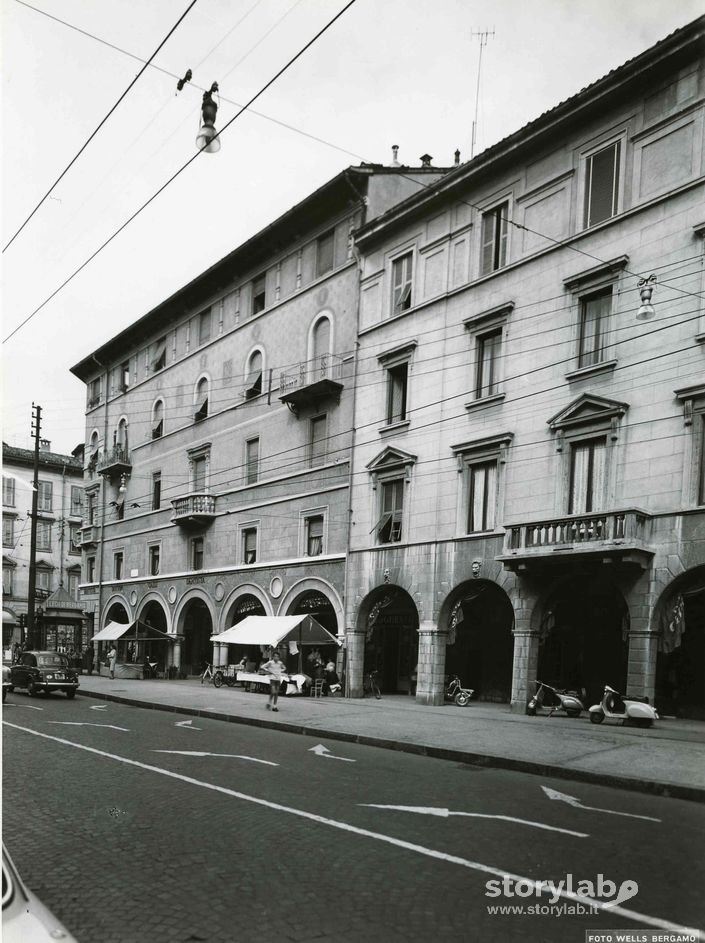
x=577 y=804
x=233 y=756
x=378 y=836
x=444 y=813
x=30 y=707
x=78 y=723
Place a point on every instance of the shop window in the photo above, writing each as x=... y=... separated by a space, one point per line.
x=325 y=247
x=587 y=476
x=156 y=490
x=8 y=532
x=154 y=560
x=118 y=560
x=482 y=496
x=317 y=444
x=8 y=491
x=389 y=526
x=402 y=282
x=397 y=388
x=602 y=187
x=249 y=545
x=495 y=227
x=259 y=294
x=314 y=535
x=252 y=460
x=45 y=493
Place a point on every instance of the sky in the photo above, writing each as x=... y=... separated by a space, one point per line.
x=387 y=72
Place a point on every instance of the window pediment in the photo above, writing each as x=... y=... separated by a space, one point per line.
x=7 y=561
x=390 y=459
x=604 y=272
x=401 y=352
x=587 y=409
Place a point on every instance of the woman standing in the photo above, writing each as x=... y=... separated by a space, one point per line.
x=112 y=658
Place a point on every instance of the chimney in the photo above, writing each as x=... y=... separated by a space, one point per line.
x=425 y=160
x=457 y=158
x=44 y=445
x=395 y=152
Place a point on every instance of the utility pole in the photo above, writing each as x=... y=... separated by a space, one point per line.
x=31 y=626
x=483 y=36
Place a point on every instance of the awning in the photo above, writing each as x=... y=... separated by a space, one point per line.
x=131 y=632
x=8 y=618
x=276 y=630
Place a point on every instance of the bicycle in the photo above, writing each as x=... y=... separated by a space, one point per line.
x=207 y=673
x=370 y=685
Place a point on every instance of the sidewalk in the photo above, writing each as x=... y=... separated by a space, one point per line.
x=668 y=759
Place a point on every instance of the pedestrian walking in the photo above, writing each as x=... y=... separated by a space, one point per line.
x=88 y=657
x=112 y=658
x=275 y=668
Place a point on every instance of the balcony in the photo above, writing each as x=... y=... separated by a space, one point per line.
x=88 y=535
x=311 y=382
x=193 y=509
x=115 y=462
x=610 y=537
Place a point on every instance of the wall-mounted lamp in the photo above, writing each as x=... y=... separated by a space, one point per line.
x=646 y=289
x=123 y=483
x=206 y=139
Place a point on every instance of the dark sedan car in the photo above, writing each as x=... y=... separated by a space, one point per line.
x=44 y=671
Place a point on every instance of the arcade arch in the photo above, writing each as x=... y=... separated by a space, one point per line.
x=390 y=620
x=680 y=663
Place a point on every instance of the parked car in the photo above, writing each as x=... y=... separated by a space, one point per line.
x=6 y=683
x=24 y=918
x=44 y=671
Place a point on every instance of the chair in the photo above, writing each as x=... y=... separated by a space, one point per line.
x=317 y=687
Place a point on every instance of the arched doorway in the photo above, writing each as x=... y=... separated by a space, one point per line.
x=680 y=663
x=315 y=604
x=197 y=631
x=392 y=639
x=480 y=644
x=153 y=614
x=117 y=613
x=584 y=638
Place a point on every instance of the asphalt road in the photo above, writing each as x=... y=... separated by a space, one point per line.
x=136 y=825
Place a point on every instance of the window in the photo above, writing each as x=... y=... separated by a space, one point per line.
x=402 y=275
x=317 y=441
x=8 y=532
x=74 y=538
x=253 y=384
x=8 y=491
x=156 y=490
x=76 y=501
x=489 y=348
x=197 y=553
x=602 y=184
x=118 y=559
x=91 y=498
x=43 y=535
x=259 y=294
x=249 y=545
x=482 y=495
x=397 y=382
x=389 y=525
x=325 y=247
x=701 y=470
x=154 y=555
x=199 y=468
x=201 y=402
x=587 y=475
x=94 y=392
x=594 y=312
x=204 y=326
x=43 y=581
x=314 y=535
x=495 y=225
x=7 y=581
x=90 y=569
x=252 y=460
x=125 y=376
x=159 y=355
x=158 y=419
x=73 y=585
x=45 y=495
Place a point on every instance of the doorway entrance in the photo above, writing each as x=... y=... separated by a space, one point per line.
x=392 y=640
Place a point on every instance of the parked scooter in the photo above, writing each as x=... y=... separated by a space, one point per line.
x=548 y=700
x=627 y=709
x=456 y=692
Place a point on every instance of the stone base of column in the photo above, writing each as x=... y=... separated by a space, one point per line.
x=354 y=680
x=526 y=656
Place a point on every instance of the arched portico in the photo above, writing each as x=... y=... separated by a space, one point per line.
x=679 y=617
x=386 y=640
x=194 y=620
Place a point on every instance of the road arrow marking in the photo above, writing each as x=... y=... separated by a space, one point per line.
x=577 y=804
x=187 y=724
x=99 y=707
x=29 y=707
x=445 y=813
x=320 y=750
x=75 y=723
x=233 y=756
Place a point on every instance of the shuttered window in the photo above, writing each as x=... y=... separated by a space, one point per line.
x=495 y=226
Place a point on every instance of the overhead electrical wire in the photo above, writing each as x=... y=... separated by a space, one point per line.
x=102 y=122
x=177 y=173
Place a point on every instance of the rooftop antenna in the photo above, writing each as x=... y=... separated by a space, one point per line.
x=483 y=36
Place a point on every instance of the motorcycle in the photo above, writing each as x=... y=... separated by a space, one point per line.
x=550 y=700
x=616 y=706
x=457 y=693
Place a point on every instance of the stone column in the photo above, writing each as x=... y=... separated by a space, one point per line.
x=176 y=655
x=641 y=668
x=526 y=658
x=432 y=664
x=356 y=662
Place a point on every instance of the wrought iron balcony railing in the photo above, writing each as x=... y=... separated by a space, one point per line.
x=116 y=461
x=311 y=381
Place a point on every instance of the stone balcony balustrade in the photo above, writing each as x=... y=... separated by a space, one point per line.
x=196 y=508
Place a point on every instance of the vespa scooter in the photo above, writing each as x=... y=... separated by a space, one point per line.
x=457 y=693
x=627 y=709
x=548 y=700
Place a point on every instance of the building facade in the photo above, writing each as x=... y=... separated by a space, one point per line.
x=218 y=433
x=58 y=553
x=528 y=483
